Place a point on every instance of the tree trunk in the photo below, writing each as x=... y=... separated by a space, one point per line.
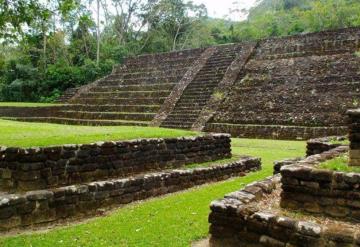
x=44 y=46
x=98 y=34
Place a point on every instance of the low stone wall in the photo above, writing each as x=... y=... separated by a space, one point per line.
x=237 y=220
x=230 y=217
x=275 y=132
x=354 y=136
x=39 y=207
x=320 y=145
x=39 y=168
x=321 y=191
x=280 y=163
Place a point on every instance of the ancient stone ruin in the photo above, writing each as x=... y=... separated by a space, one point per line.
x=354 y=137
x=41 y=186
x=305 y=205
x=296 y=87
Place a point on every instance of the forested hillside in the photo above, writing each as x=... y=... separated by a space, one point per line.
x=51 y=45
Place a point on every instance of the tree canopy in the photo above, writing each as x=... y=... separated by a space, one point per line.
x=48 y=46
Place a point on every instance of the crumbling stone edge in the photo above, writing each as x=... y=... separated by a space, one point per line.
x=236 y=221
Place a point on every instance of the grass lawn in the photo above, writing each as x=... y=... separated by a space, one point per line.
x=23 y=134
x=340 y=164
x=173 y=220
x=26 y=104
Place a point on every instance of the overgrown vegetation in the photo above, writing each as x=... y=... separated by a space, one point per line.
x=340 y=164
x=49 y=46
x=173 y=220
x=22 y=134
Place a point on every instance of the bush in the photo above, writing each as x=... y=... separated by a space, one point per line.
x=25 y=83
x=20 y=90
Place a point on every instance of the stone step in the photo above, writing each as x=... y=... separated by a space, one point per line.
x=140 y=87
x=218 y=67
x=164 y=67
x=139 y=79
x=184 y=114
x=140 y=62
x=176 y=125
x=292 y=118
x=186 y=111
x=126 y=94
x=220 y=61
x=107 y=115
x=191 y=98
x=208 y=78
x=148 y=81
x=112 y=108
x=180 y=119
x=73 y=121
x=284 y=132
x=153 y=73
x=190 y=103
x=120 y=101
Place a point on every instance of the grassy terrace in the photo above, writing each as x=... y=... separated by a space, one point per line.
x=173 y=220
x=26 y=104
x=23 y=134
x=340 y=164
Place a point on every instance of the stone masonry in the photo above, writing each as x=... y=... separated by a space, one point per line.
x=24 y=169
x=76 y=201
x=244 y=218
x=295 y=87
x=354 y=136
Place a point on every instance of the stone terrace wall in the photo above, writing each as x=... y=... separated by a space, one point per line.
x=43 y=111
x=320 y=145
x=39 y=207
x=237 y=221
x=274 y=131
x=354 y=137
x=295 y=86
x=320 y=191
x=39 y=168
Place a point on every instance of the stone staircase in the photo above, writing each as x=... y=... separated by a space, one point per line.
x=67 y=95
x=131 y=95
x=294 y=87
x=199 y=91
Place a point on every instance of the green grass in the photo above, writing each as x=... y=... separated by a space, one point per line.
x=340 y=164
x=213 y=163
x=342 y=142
x=26 y=104
x=23 y=134
x=173 y=220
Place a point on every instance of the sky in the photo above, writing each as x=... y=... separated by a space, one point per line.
x=221 y=8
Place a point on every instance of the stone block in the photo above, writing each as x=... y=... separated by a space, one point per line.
x=7 y=224
x=336 y=211
x=5 y=173
x=307 y=228
x=39 y=195
x=268 y=241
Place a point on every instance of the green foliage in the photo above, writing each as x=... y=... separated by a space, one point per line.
x=54 y=43
x=286 y=17
x=25 y=83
